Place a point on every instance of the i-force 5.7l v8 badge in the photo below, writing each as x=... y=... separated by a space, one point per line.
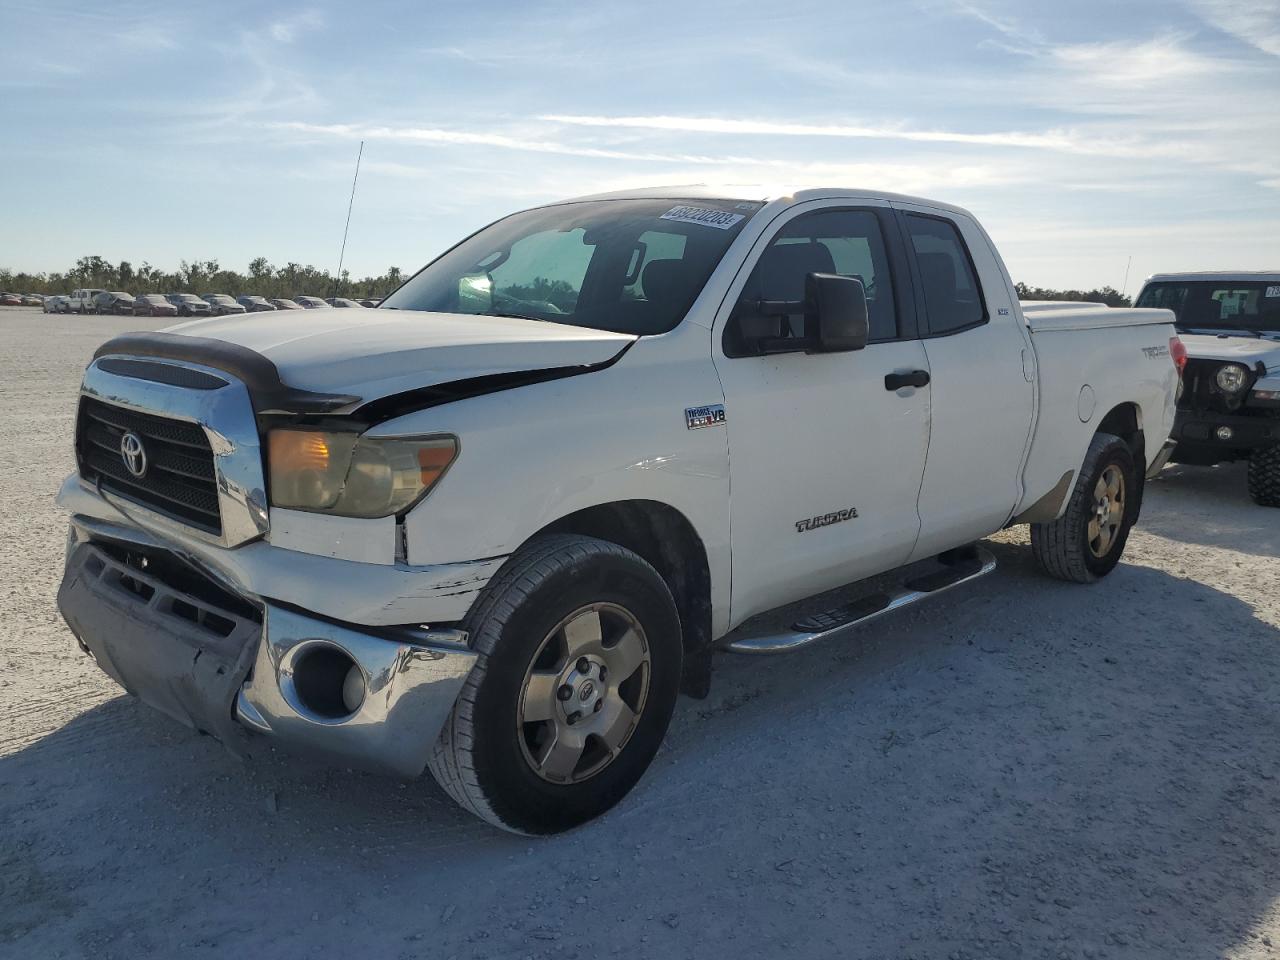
x=711 y=415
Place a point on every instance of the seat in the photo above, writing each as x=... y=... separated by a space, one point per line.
x=780 y=275
x=665 y=284
x=941 y=294
x=782 y=268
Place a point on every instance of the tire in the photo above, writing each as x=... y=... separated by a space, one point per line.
x=487 y=756
x=1067 y=548
x=1264 y=477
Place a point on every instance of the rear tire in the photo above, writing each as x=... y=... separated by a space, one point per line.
x=1087 y=541
x=510 y=753
x=1264 y=477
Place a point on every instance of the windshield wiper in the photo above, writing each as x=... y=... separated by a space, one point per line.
x=515 y=316
x=1221 y=331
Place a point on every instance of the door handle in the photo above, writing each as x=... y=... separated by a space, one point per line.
x=916 y=378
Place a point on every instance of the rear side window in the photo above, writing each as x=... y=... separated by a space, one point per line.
x=952 y=297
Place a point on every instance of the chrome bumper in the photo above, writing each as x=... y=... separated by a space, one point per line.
x=232 y=667
x=409 y=685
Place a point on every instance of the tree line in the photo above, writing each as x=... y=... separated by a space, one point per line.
x=293 y=279
x=201 y=277
x=1108 y=295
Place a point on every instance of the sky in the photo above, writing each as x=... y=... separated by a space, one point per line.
x=1081 y=134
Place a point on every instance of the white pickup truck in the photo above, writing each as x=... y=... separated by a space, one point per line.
x=492 y=528
x=81 y=300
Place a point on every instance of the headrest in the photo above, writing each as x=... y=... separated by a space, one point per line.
x=938 y=271
x=665 y=281
x=783 y=267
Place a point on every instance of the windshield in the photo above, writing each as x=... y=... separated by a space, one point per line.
x=1218 y=304
x=630 y=266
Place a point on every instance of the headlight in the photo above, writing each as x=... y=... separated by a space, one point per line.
x=353 y=476
x=1231 y=378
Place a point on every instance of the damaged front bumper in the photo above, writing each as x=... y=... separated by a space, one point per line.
x=233 y=667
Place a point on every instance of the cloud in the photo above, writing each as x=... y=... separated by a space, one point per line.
x=1057 y=140
x=485 y=139
x=287 y=29
x=1255 y=22
x=1133 y=67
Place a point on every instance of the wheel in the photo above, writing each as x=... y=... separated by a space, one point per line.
x=1264 y=477
x=578 y=669
x=1086 y=542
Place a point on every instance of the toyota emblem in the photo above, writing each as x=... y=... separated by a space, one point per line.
x=134 y=454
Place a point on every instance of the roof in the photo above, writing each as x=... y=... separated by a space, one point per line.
x=761 y=193
x=1262 y=276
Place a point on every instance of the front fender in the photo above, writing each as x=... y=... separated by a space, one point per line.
x=534 y=454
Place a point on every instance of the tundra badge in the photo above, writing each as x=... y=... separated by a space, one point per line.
x=813 y=523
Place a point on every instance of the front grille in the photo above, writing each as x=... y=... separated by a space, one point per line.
x=1201 y=393
x=179 y=480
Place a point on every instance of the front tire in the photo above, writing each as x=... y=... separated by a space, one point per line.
x=1087 y=541
x=577 y=675
x=1264 y=476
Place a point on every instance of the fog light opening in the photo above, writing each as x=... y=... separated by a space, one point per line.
x=353 y=689
x=327 y=682
x=1225 y=433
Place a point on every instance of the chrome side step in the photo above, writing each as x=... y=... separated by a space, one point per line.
x=830 y=624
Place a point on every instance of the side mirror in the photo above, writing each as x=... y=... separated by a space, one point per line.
x=835 y=315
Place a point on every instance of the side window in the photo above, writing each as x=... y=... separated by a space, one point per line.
x=844 y=242
x=952 y=297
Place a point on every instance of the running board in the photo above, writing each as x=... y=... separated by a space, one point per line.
x=830 y=624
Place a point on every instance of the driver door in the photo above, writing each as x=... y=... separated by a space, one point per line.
x=826 y=458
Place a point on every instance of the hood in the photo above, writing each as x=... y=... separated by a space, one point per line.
x=1248 y=351
x=376 y=353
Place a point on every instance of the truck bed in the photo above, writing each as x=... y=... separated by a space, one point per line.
x=1045 y=315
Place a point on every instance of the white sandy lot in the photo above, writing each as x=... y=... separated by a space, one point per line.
x=1022 y=769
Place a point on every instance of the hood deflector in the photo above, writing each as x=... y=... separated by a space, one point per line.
x=272 y=396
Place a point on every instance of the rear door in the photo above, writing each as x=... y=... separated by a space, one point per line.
x=825 y=458
x=982 y=392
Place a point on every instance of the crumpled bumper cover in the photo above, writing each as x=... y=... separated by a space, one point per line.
x=229 y=672
x=174 y=652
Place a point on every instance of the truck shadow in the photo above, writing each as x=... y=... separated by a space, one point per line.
x=1210 y=506
x=1025 y=768
x=1048 y=766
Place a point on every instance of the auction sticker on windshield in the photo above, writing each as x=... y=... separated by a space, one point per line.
x=1273 y=291
x=719 y=219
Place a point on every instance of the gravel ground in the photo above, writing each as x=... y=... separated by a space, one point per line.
x=1025 y=769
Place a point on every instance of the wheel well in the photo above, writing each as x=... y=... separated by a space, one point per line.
x=665 y=539
x=1125 y=421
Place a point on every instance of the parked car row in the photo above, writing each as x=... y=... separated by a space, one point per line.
x=98 y=301
x=8 y=299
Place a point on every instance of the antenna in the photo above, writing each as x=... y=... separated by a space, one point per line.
x=1123 y=287
x=351 y=203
